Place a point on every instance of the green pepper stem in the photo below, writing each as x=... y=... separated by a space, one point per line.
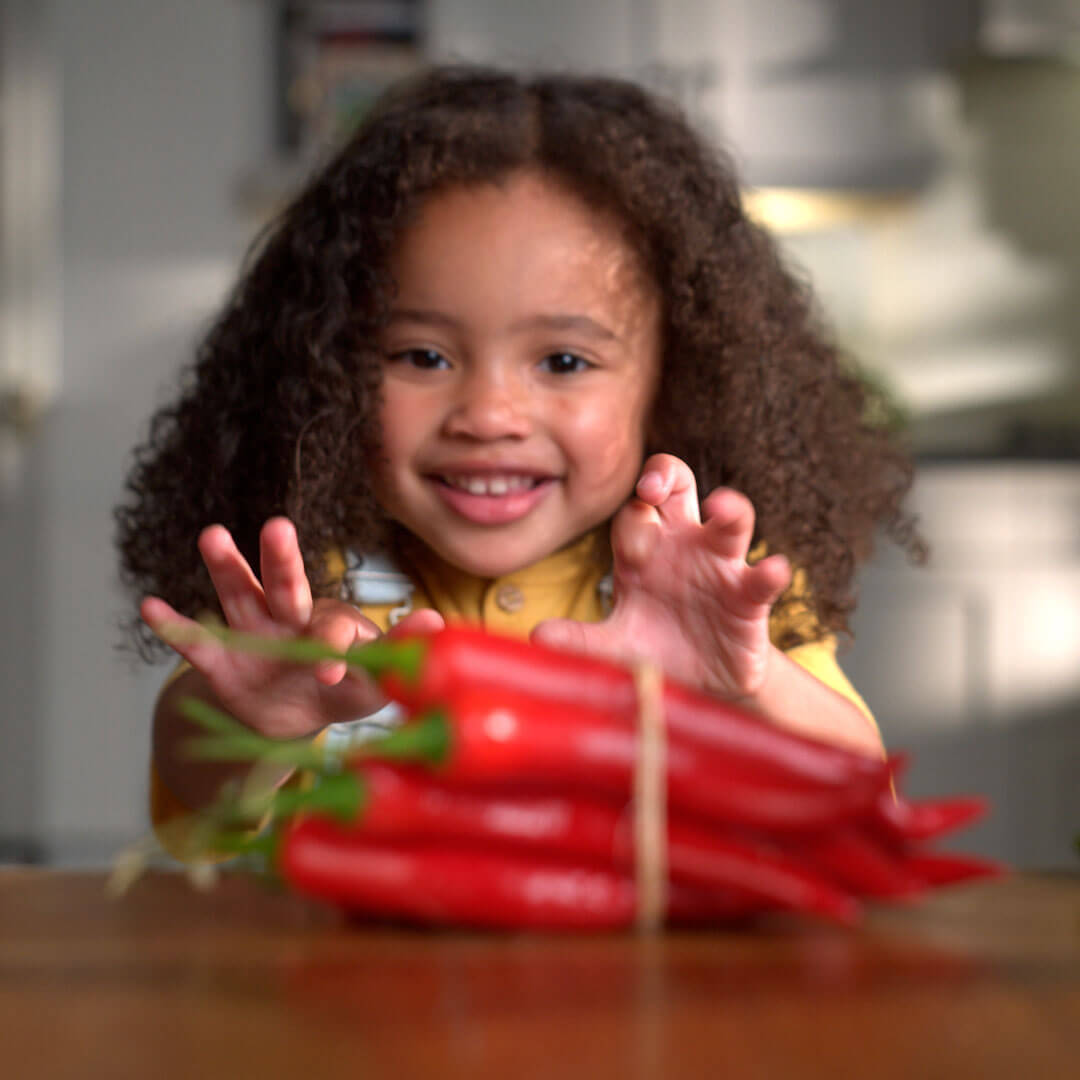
x=229 y=740
x=342 y=795
x=426 y=738
x=404 y=657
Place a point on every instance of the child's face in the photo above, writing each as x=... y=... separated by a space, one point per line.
x=522 y=360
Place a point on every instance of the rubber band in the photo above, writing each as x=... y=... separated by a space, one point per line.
x=650 y=800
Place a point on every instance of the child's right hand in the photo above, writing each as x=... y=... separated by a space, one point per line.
x=277 y=699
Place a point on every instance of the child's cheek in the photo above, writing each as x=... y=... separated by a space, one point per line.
x=609 y=447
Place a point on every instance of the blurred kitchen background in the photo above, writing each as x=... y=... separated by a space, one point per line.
x=919 y=159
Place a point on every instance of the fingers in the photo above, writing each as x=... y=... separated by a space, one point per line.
x=591 y=639
x=765 y=582
x=667 y=483
x=424 y=621
x=187 y=637
x=610 y=639
x=729 y=523
x=565 y=634
x=635 y=533
x=238 y=589
x=341 y=626
x=166 y=621
x=284 y=579
x=281 y=601
x=283 y=598
x=666 y=496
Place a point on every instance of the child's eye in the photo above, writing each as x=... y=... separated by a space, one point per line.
x=425 y=359
x=565 y=363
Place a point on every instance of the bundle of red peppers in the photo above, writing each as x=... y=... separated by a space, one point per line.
x=505 y=799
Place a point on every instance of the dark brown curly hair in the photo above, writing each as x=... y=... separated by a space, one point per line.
x=278 y=412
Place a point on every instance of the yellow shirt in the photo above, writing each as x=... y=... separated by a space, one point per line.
x=568 y=584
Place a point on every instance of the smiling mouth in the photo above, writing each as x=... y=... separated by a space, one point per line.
x=495 y=486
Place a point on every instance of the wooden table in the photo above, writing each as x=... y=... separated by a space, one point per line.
x=240 y=982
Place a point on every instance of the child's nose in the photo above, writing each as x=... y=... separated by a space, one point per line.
x=490 y=406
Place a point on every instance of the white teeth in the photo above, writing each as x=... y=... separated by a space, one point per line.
x=491 y=485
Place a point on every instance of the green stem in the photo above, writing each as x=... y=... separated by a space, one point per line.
x=427 y=738
x=229 y=740
x=405 y=657
x=241 y=823
x=240 y=748
x=231 y=843
x=340 y=794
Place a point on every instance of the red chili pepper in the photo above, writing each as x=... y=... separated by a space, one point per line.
x=501 y=737
x=947 y=869
x=401 y=804
x=851 y=858
x=441 y=886
x=904 y=822
x=461 y=657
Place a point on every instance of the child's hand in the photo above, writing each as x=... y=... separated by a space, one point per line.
x=685 y=596
x=277 y=699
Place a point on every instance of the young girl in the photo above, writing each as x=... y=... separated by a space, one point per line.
x=481 y=369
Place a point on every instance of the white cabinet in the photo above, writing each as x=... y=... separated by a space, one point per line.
x=989 y=630
x=973 y=663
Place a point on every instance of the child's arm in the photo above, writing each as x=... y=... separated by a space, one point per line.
x=279 y=700
x=687 y=599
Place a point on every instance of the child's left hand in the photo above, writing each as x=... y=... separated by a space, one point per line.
x=685 y=596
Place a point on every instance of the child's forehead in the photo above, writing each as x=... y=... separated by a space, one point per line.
x=528 y=232
x=522 y=193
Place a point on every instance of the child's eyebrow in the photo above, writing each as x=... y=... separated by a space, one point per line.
x=420 y=315
x=565 y=322
x=581 y=323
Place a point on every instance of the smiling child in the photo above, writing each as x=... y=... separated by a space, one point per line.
x=480 y=370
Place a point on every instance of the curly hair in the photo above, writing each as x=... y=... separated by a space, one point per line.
x=278 y=411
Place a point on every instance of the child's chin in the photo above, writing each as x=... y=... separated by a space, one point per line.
x=493 y=559
x=494 y=567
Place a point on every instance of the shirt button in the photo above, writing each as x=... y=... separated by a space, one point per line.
x=509 y=598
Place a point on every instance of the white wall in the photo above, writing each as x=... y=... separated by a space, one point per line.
x=164 y=105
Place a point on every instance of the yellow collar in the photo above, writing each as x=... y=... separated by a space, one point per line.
x=568 y=583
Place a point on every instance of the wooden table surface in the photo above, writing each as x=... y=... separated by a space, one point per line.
x=981 y=981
